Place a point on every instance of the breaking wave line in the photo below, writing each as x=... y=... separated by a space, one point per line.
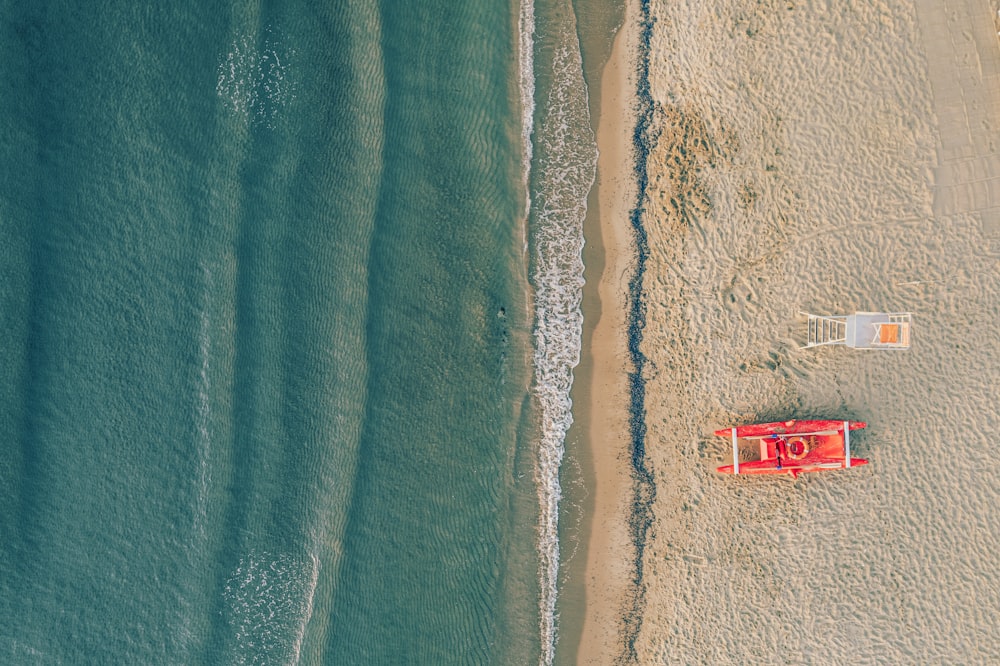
x=565 y=167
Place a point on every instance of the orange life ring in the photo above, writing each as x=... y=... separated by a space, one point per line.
x=796 y=448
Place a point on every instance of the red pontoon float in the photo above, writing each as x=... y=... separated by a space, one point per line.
x=793 y=447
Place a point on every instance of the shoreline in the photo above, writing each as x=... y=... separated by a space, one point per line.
x=609 y=567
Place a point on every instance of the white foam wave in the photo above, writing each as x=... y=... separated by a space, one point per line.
x=307 y=612
x=526 y=57
x=270 y=601
x=565 y=177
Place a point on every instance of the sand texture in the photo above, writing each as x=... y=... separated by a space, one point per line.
x=824 y=157
x=610 y=557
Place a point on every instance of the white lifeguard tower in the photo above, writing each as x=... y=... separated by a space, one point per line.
x=861 y=330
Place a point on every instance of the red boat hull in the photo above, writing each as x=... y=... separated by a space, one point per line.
x=794 y=447
x=768 y=467
x=788 y=428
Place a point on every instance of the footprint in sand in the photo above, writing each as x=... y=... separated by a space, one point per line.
x=740 y=295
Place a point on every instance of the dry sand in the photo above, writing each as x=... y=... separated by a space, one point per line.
x=824 y=157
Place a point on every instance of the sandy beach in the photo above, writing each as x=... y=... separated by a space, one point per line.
x=825 y=159
x=610 y=563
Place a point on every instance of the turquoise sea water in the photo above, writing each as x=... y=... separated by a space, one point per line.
x=290 y=317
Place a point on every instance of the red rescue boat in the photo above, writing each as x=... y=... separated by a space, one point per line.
x=793 y=447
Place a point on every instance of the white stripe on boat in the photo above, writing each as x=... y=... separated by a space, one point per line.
x=847 y=444
x=736 y=455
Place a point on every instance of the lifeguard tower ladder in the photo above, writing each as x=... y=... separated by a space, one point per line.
x=861 y=330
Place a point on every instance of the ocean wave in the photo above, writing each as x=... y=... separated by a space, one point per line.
x=270 y=600
x=254 y=79
x=564 y=170
x=203 y=408
x=526 y=56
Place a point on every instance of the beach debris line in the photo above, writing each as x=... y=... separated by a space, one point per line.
x=861 y=330
x=793 y=447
